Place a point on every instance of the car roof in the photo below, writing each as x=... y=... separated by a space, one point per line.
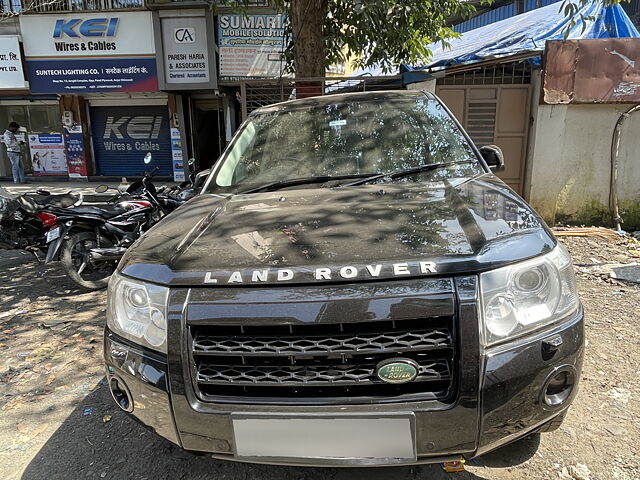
x=332 y=99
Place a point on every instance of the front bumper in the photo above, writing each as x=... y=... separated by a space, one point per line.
x=509 y=402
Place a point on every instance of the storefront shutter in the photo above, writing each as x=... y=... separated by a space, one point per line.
x=123 y=135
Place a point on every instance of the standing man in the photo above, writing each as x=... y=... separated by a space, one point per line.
x=14 y=153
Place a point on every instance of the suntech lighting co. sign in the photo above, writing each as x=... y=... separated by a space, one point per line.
x=90 y=53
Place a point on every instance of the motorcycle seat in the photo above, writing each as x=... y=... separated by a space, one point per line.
x=66 y=200
x=63 y=200
x=101 y=212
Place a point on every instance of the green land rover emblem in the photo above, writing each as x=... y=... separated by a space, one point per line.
x=397 y=370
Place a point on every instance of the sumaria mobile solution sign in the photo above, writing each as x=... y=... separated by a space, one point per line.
x=251 y=46
x=90 y=53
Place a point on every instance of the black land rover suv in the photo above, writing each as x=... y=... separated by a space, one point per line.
x=352 y=287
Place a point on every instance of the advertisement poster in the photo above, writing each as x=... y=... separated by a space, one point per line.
x=47 y=154
x=251 y=46
x=176 y=153
x=74 y=142
x=122 y=136
x=11 y=74
x=90 y=52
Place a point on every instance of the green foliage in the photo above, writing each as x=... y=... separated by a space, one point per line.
x=390 y=32
x=379 y=32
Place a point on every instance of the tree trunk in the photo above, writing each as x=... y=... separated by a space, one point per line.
x=307 y=20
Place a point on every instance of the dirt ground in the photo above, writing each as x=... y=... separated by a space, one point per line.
x=57 y=420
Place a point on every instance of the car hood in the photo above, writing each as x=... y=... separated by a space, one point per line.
x=367 y=232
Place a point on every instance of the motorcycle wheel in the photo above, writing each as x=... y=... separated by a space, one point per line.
x=75 y=260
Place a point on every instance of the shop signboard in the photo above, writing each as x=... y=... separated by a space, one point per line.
x=90 y=52
x=176 y=156
x=76 y=159
x=251 y=46
x=122 y=136
x=11 y=73
x=185 y=58
x=47 y=154
x=569 y=75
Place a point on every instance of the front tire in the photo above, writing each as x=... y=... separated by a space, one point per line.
x=75 y=260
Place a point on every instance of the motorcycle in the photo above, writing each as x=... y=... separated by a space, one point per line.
x=26 y=220
x=90 y=241
x=187 y=189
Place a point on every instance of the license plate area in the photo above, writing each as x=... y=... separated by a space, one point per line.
x=326 y=439
x=53 y=234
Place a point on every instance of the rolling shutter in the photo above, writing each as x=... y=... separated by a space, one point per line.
x=123 y=135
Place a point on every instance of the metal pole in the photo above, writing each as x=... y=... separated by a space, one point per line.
x=243 y=95
x=613 y=180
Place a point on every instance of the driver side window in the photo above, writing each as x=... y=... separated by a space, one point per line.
x=235 y=167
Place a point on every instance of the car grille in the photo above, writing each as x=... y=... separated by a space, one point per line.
x=321 y=363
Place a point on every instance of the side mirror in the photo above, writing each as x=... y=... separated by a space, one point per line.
x=147 y=158
x=101 y=188
x=192 y=161
x=494 y=157
x=43 y=192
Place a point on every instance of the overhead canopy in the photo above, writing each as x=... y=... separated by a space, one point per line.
x=528 y=32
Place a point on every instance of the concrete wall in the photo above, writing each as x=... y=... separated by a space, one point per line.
x=568 y=167
x=10 y=26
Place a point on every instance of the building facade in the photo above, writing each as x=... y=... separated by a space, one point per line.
x=96 y=85
x=500 y=80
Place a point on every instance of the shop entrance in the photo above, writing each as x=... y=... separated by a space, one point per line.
x=43 y=150
x=207 y=132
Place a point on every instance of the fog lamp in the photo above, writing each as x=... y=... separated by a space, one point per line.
x=558 y=388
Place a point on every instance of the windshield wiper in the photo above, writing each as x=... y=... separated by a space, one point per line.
x=404 y=173
x=303 y=181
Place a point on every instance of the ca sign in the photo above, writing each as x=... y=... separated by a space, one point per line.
x=185 y=35
x=186 y=56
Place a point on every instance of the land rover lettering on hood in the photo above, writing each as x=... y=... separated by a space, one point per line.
x=352 y=278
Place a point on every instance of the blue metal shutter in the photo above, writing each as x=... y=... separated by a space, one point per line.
x=123 y=135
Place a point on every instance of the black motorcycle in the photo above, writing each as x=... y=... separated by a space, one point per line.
x=89 y=241
x=25 y=220
x=187 y=189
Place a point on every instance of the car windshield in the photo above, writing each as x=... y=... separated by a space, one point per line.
x=347 y=138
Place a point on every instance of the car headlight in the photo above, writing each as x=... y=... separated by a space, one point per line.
x=138 y=311
x=523 y=297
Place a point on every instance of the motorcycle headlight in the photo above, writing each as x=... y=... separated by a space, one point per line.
x=138 y=311
x=523 y=297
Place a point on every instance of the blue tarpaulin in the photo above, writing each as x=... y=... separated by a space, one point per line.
x=528 y=32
